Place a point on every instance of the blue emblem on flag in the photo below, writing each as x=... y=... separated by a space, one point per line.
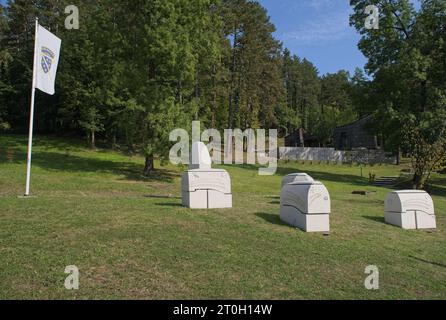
x=47 y=59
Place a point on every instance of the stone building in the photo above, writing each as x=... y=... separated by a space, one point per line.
x=356 y=135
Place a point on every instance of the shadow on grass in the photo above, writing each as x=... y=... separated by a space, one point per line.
x=366 y=201
x=328 y=176
x=429 y=262
x=437 y=187
x=169 y=204
x=376 y=219
x=150 y=196
x=271 y=218
x=318 y=175
x=75 y=164
x=46 y=142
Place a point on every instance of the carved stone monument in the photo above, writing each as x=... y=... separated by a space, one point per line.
x=202 y=186
x=305 y=203
x=410 y=209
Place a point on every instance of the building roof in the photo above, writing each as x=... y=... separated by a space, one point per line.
x=369 y=117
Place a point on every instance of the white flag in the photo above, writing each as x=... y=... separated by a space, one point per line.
x=47 y=51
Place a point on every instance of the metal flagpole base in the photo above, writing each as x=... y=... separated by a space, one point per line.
x=26 y=197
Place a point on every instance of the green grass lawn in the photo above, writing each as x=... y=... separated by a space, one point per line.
x=132 y=239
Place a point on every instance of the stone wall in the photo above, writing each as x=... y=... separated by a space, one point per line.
x=332 y=155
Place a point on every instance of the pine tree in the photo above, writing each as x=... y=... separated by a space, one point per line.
x=90 y=70
x=360 y=91
x=254 y=62
x=5 y=59
x=334 y=106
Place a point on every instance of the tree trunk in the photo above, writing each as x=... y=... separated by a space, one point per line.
x=398 y=157
x=232 y=90
x=230 y=120
x=214 y=97
x=93 y=140
x=418 y=181
x=114 y=141
x=149 y=166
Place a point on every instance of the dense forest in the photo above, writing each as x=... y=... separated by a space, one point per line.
x=136 y=69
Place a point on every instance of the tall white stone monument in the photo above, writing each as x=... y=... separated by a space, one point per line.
x=200 y=158
x=202 y=186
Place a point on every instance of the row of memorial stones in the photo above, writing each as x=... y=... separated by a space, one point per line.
x=305 y=203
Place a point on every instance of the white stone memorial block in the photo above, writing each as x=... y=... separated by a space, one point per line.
x=410 y=209
x=203 y=187
x=306 y=205
x=296 y=177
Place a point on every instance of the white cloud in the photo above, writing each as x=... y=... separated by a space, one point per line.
x=320 y=4
x=322 y=28
x=313 y=5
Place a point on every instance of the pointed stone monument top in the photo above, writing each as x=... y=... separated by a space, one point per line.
x=200 y=159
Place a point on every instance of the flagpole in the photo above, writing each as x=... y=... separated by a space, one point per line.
x=31 y=116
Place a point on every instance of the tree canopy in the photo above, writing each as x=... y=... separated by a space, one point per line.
x=137 y=69
x=406 y=56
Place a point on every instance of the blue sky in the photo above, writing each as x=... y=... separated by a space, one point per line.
x=317 y=30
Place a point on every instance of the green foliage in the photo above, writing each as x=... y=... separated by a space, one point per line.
x=406 y=56
x=132 y=73
x=254 y=65
x=5 y=59
x=335 y=106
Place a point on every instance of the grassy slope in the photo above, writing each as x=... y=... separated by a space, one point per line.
x=131 y=238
